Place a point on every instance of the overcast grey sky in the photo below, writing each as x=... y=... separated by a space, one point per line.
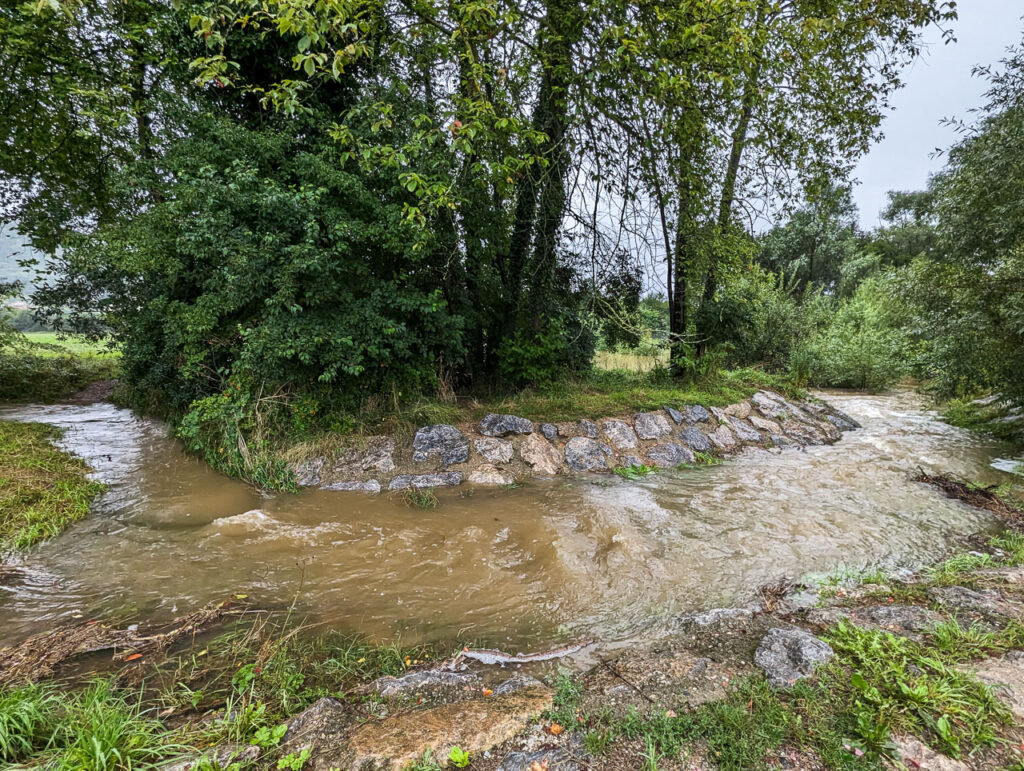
x=939 y=85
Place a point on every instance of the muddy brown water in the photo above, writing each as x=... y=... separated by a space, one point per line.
x=593 y=557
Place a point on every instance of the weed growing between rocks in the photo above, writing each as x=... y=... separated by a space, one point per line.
x=420 y=498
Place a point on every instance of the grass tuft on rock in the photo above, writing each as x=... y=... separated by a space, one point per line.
x=42 y=488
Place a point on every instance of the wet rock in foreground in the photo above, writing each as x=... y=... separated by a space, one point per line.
x=670 y=455
x=788 y=655
x=402 y=738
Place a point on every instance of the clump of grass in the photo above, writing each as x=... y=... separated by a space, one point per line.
x=28 y=718
x=958 y=569
x=635 y=472
x=95 y=729
x=902 y=686
x=420 y=498
x=1012 y=545
x=975 y=641
x=42 y=489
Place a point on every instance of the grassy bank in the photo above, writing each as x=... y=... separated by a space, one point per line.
x=42 y=489
x=42 y=368
x=993 y=418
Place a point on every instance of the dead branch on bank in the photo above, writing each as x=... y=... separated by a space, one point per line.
x=39 y=655
x=980 y=497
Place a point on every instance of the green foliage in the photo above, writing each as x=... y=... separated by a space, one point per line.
x=458 y=757
x=633 y=473
x=29 y=715
x=900 y=686
x=420 y=498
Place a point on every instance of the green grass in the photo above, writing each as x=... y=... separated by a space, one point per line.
x=596 y=394
x=42 y=489
x=960 y=412
x=51 y=344
x=879 y=685
x=633 y=473
x=244 y=684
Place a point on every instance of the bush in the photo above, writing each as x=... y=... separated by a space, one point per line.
x=861 y=346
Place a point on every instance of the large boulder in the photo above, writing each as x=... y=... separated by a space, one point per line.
x=542 y=456
x=375 y=455
x=651 y=425
x=788 y=655
x=670 y=455
x=740 y=410
x=619 y=434
x=307 y=473
x=494 y=450
x=694 y=413
x=584 y=454
x=744 y=431
x=440 y=441
x=765 y=425
x=504 y=425
x=723 y=438
x=695 y=439
x=443 y=479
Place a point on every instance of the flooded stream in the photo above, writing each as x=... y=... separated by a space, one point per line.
x=588 y=556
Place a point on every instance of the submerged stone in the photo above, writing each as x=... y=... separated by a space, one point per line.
x=670 y=455
x=442 y=441
x=443 y=479
x=400 y=739
x=584 y=454
x=369 y=486
x=788 y=655
x=651 y=425
x=504 y=425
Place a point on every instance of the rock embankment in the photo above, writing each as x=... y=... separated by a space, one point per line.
x=502 y=449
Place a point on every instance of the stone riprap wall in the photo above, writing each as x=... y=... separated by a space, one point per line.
x=501 y=449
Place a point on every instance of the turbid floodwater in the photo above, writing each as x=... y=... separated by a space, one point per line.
x=594 y=557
